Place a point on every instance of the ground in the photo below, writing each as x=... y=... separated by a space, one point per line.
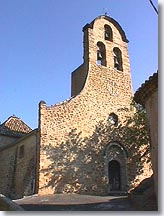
x=75 y=202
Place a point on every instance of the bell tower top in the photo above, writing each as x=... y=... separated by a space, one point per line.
x=110 y=20
x=105 y=51
x=105 y=42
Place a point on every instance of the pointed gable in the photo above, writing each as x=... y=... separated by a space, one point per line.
x=14 y=126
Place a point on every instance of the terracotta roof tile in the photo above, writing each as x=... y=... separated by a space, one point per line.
x=14 y=126
x=146 y=89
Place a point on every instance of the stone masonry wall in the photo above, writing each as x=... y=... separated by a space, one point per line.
x=152 y=114
x=71 y=151
x=5 y=140
x=78 y=79
x=17 y=169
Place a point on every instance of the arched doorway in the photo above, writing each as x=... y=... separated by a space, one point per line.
x=114 y=175
x=116 y=167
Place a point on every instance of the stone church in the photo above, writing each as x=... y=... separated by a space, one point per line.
x=68 y=153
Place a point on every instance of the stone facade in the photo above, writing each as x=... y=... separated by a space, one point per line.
x=17 y=158
x=73 y=157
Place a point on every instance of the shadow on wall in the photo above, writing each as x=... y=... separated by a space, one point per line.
x=77 y=165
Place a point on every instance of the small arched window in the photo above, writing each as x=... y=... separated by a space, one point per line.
x=108 y=34
x=101 y=54
x=113 y=119
x=117 y=59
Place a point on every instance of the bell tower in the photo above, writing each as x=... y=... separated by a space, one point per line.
x=106 y=58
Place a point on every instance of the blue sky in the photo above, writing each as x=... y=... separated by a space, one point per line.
x=42 y=43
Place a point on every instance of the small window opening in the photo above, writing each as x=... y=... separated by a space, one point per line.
x=21 y=151
x=113 y=119
x=108 y=34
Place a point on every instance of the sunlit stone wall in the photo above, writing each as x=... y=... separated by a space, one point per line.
x=71 y=148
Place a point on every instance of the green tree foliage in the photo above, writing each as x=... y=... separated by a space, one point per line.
x=137 y=130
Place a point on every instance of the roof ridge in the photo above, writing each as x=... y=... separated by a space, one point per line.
x=146 y=88
x=14 y=125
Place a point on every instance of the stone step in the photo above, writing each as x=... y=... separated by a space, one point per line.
x=118 y=193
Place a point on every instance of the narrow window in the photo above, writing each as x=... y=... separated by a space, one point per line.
x=101 y=54
x=117 y=59
x=21 y=151
x=108 y=34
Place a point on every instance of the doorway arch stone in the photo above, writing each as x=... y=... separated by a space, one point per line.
x=116 y=167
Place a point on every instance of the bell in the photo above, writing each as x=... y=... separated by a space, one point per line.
x=116 y=61
x=99 y=55
x=107 y=35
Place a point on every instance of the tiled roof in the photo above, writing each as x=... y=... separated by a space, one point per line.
x=14 y=126
x=146 y=89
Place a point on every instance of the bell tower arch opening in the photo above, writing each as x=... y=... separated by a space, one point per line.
x=101 y=54
x=117 y=59
x=108 y=34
